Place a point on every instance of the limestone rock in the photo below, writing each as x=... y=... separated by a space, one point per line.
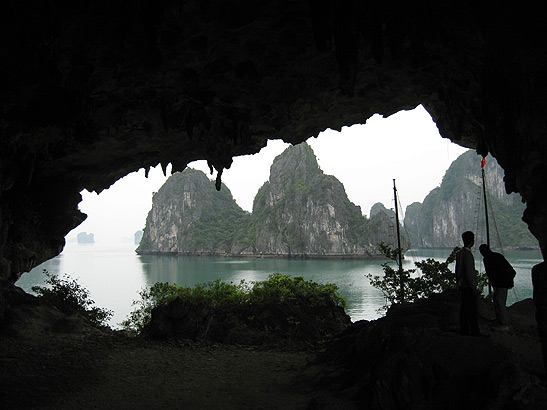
x=189 y=216
x=84 y=237
x=379 y=207
x=299 y=212
x=458 y=205
x=137 y=236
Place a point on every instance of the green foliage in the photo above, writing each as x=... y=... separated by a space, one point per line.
x=280 y=288
x=277 y=289
x=389 y=252
x=433 y=277
x=390 y=284
x=436 y=276
x=216 y=293
x=71 y=298
x=293 y=237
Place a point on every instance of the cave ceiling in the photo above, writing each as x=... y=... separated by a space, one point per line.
x=91 y=91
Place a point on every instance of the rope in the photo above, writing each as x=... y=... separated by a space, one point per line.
x=493 y=214
x=405 y=230
x=494 y=217
x=479 y=227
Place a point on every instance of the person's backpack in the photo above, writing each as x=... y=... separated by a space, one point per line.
x=510 y=275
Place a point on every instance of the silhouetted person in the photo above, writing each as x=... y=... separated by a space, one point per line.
x=501 y=274
x=466 y=278
x=539 y=284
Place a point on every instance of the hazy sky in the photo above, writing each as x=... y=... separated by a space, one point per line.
x=366 y=158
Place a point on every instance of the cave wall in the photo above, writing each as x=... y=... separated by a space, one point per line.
x=91 y=91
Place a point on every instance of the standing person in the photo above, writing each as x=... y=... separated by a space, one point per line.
x=539 y=284
x=466 y=278
x=501 y=274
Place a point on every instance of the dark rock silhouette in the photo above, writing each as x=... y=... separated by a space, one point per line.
x=414 y=358
x=272 y=324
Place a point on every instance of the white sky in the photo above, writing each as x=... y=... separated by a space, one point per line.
x=366 y=158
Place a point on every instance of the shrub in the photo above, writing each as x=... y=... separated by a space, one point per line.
x=435 y=277
x=238 y=299
x=216 y=293
x=279 y=288
x=70 y=297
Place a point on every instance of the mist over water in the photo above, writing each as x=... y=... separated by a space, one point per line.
x=114 y=274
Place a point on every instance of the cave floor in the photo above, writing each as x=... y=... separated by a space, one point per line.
x=73 y=366
x=105 y=371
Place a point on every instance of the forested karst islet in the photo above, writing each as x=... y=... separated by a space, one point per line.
x=298 y=212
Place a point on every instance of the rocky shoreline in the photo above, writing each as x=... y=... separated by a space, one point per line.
x=262 y=255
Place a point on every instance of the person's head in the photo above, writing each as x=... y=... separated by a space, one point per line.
x=484 y=249
x=468 y=239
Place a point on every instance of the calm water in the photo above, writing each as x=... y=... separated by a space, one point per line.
x=115 y=274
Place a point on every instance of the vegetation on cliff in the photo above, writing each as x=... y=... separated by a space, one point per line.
x=300 y=210
x=189 y=215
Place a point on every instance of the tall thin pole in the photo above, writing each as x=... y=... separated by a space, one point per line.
x=483 y=162
x=485 y=208
x=400 y=257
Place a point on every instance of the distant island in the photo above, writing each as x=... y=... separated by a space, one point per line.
x=84 y=237
x=298 y=213
x=137 y=237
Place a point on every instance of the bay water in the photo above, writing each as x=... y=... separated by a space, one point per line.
x=114 y=274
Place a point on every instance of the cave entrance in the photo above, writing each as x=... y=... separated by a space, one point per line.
x=364 y=157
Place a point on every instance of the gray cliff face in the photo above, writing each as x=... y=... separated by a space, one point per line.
x=301 y=211
x=185 y=214
x=457 y=206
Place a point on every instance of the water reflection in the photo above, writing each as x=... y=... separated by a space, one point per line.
x=113 y=275
x=36 y=276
